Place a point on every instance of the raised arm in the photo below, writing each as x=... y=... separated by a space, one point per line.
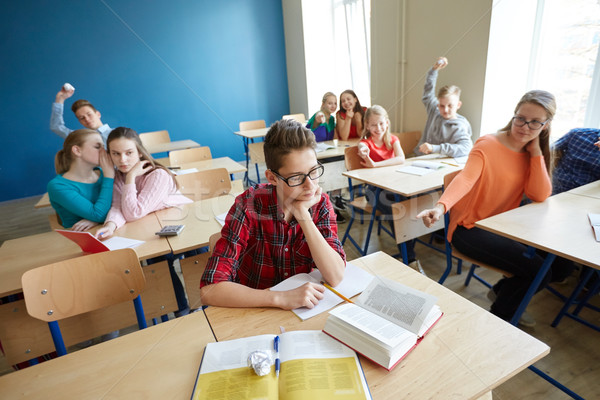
x=57 y=122
x=342 y=128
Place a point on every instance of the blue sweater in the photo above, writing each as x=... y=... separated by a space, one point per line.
x=74 y=201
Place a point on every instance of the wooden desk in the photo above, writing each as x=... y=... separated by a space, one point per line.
x=222 y=162
x=337 y=151
x=199 y=220
x=590 y=190
x=170 y=146
x=159 y=362
x=559 y=225
x=408 y=185
x=43 y=202
x=253 y=133
x=401 y=183
x=466 y=354
x=22 y=254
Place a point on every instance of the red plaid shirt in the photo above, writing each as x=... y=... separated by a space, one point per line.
x=258 y=248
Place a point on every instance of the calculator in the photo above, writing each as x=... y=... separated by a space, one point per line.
x=170 y=230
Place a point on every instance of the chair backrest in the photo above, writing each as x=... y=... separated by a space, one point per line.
x=83 y=284
x=55 y=222
x=192 y=269
x=449 y=177
x=249 y=125
x=257 y=152
x=408 y=140
x=156 y=137
x=298 y=117
x=178 y=157
x=351 y=158
x=205 y=184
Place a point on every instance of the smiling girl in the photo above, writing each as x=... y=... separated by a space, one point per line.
x=81 y=192
x=350 y=116
x=500 y=169
x=322 y=123
x=378 y=146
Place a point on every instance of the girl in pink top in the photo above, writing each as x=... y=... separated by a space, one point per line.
x=349 y=119
x=141 y=184
x=500 y=169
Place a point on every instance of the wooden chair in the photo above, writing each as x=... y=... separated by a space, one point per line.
x=254 y=151
x=156 y=137
x=55 y=222
x=79 y=285
x=408 y=141
x=358 y=201
x=205 y=184
x=451 y=252
x=192 y=269
x=178 y=157
x=250 y=125
x=298 y=117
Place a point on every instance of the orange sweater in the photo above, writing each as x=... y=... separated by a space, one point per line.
x=493 y=181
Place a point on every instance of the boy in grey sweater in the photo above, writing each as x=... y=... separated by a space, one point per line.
x=446 y=132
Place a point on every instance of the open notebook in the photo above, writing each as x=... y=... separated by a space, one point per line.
x=90 y=244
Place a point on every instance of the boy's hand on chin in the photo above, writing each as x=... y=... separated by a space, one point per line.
x=299 y=207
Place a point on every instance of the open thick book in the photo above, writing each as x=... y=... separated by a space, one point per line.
x=313 y=366
x=355 y=281
x=90 y=244
x=385 y=323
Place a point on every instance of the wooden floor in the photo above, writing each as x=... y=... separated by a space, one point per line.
x=574 y=359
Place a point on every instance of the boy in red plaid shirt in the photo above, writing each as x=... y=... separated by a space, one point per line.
x=276 y=230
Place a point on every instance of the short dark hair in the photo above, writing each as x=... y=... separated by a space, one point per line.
x=284 y=137
x=81 y=103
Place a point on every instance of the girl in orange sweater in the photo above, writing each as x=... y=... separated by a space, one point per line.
x=500 y=169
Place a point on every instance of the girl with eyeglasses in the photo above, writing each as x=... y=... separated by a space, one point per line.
x=500 y=169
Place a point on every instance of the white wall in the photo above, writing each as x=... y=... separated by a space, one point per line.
x=458 y=30
x=295 y=56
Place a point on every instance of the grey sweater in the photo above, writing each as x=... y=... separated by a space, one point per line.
x=450 y=137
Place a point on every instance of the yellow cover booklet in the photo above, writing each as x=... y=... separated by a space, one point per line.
x=313 y=366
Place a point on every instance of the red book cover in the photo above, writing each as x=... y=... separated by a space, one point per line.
x=85 y=240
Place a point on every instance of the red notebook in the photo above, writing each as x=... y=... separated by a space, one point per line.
x=85 y=240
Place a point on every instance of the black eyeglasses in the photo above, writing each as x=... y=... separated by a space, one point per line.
x=533 y=125
x=298 y=179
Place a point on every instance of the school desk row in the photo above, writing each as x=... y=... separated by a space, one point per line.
x=24 y=338
x=467 y=354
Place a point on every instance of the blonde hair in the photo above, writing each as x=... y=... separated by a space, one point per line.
x=380 y=111
x=128 y=133
x=547 y=101
x=324 y=109
x=64 y=157
x=449 y=90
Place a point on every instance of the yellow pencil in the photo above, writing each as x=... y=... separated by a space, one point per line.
x=444 y=162
x=336 y=292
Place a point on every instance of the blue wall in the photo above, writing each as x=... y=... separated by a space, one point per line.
x=207 y=66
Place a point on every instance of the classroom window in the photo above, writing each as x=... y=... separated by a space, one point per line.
x=337 y=48
x=550 y=45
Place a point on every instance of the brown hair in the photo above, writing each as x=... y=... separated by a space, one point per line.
x=547 y=101
x=357 y=107
x=284 y=137
x=449 y=90
x=64 y=157
x=81 y=103
x=128 y=133
x=377 y=110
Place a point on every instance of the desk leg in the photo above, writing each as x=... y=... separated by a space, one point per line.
x=247 y=151
x=373 y=216
x=532 y=288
